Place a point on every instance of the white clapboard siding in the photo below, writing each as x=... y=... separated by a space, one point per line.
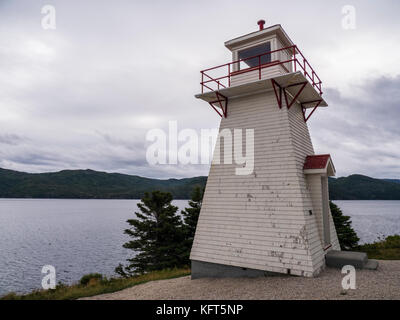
x=266 y=73
x=284 y=55
x=334 y=238
x=303 y=145
x=261 y=221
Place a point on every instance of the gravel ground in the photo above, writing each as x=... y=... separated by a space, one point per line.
x=383 y=283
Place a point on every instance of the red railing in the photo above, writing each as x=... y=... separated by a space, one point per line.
x=219 y=77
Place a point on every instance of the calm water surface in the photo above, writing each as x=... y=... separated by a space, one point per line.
x=372 y=219
x=75 y=236
x=83 y=236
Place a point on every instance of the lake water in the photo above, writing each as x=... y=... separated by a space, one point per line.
x=83 y=236
x=75 y=236
x=372 y=219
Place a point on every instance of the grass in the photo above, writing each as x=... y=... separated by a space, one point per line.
x=385 y=249
x=95 y=284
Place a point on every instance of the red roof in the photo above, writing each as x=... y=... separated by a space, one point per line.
x=317 y=161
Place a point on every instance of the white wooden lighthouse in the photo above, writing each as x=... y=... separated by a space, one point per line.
x=275 y=219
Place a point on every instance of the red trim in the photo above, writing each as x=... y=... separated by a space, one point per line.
x=327 y=247
x=214 y=84
x=261 y=24
x=297 y=59
x=318 y=161
x=276 y=85
x=318 y=102
x=263 y=66
x=220 y=99
x=278 y=99
x=303 y=85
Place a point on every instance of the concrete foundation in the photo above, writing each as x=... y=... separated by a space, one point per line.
x=359 y=260
x=201 y=269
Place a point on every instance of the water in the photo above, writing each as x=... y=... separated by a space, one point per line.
x=83 y=236
x=372 y=219
x=75 y=236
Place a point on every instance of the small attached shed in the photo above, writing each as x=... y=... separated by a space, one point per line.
x=317 y=169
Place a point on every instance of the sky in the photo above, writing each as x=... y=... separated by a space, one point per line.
x=85 y=94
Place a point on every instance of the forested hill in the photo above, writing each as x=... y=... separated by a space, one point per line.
x=393 y=180
x=358 y=187
x=90 y=184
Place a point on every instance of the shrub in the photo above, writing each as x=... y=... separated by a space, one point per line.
x=91 y=278
x=384 y=249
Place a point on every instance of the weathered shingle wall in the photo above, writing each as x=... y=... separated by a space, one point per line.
x=261 y=221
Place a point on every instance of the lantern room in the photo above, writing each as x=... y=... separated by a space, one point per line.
x=270 y=48
x=266 y=59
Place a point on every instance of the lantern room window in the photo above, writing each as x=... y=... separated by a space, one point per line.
x=255 y=51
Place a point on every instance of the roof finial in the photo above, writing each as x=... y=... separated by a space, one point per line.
x=261 y=24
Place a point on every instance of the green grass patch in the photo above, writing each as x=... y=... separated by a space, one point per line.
x=386 y=249
x=94 y=284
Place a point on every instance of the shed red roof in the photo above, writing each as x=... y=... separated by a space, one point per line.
x=316 y=161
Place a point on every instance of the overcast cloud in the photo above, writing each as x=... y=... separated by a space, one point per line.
x=84 y=95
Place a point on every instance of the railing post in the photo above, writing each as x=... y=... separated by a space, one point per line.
x=294 y=58
x=229 y=75
x=202 y=82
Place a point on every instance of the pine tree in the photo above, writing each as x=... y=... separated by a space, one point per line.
x=191 y=215
x=158 y=236
x=348 y=238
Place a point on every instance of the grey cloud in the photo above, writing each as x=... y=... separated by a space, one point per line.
x=86 y=93
x=11 y=139
x=363 y=130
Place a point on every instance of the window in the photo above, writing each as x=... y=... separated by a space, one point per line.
x=255 y=51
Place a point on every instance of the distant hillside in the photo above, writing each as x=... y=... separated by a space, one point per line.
x=89 y=184
x=358 y=187
x=393 y=180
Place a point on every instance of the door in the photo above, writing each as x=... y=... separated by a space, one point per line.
x=325 y=211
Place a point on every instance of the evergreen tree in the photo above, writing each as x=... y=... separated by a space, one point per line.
x=158 y=236
x=348 y=238
x=191 y=215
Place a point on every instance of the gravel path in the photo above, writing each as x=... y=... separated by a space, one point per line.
x=381 y=284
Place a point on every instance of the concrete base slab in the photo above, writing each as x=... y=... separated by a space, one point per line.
x=359 y=260
x=338 y=259
x=371 y=265
x=201 y=269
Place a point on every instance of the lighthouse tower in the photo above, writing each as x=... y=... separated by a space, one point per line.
x=274 y=218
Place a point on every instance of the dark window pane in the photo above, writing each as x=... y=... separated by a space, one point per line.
x=255 y=51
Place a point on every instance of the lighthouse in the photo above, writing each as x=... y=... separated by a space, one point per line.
x=274 y=218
